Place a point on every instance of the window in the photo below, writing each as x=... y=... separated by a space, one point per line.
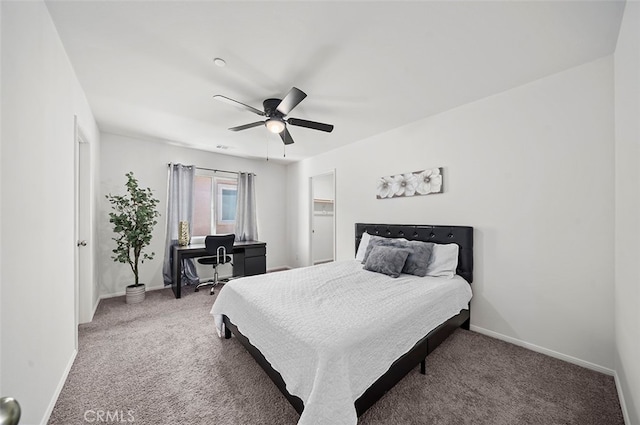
x=226 y=203
x=214 y=209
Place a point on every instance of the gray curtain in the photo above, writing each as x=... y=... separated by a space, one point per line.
x=246 y=222
x=179 y=208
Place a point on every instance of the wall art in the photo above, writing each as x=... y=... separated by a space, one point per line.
x=423 y=182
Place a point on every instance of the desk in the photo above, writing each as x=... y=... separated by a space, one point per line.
x=249 y=258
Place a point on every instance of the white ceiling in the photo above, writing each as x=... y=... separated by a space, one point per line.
x=367 y=67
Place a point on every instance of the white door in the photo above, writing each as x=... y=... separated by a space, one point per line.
x=323 y=218
x=83 y=282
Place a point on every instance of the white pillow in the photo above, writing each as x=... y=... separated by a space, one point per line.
x=443 y=261
x=362 y=248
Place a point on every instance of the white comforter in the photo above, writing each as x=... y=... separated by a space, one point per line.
x=331 y=330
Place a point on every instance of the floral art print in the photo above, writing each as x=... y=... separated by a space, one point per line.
x=410 y=184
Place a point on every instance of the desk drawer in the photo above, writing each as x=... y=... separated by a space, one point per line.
x=255 y=265
x=259 y=251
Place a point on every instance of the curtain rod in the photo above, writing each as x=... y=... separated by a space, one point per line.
x=214 y=170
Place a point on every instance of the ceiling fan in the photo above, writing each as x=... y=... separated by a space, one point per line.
x=276 y=111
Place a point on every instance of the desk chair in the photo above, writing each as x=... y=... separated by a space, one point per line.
x=219 y=246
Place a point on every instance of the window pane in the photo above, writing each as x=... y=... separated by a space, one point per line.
x=202 y=211
x=225 y=205
x=214 y=205
x=228 y=205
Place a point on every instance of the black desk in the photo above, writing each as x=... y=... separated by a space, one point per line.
x=249 y=258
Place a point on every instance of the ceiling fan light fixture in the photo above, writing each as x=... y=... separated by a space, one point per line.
x=276 y=112
x=275 y=125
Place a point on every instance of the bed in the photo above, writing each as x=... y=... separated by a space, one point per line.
x=334 y=337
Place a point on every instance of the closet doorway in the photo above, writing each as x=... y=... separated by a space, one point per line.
x=323 y=223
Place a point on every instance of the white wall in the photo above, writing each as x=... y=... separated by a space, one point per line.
x=627 y=177
x=532 y=170
x=40 y=96
x=148 y=160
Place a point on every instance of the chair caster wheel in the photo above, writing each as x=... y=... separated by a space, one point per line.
x=196 y=290
x=211 y=293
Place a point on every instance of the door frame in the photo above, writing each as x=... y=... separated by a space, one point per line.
x=331 y=172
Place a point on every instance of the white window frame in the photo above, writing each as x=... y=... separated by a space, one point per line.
x=219 y=188
x=218 y=183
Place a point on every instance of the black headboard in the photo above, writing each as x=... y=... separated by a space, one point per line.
x=461 y=235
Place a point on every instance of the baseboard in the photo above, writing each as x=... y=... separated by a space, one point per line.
x=95 y=308
x=56 y=394
x=278 y=269
x=543 y=350
x=623 y=405
x=123 y=292
x=155 y=288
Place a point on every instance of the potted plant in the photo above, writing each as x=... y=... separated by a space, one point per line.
x=133 y=219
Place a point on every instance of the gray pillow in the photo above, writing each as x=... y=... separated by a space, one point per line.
x=419 y=253
x=418 y=259
x=380 y=241
x=386 y=259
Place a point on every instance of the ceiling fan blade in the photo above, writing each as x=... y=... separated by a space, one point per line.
x=311 y=124
x=286 y=137
x=291 y=100
x=244 y=127
x=236 y=103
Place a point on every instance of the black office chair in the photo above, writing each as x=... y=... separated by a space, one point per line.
x=219 y=246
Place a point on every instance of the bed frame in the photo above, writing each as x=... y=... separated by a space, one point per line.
x=461 y=235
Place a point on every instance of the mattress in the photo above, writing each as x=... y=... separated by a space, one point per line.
x=332 y=330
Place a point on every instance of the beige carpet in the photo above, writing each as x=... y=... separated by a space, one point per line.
x=160 y=362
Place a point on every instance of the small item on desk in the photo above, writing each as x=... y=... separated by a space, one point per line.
x=183 y=233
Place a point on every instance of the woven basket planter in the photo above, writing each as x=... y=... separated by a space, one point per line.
x=135 y=293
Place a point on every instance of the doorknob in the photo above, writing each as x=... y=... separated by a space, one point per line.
x=82 y=243
x=9 y=411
